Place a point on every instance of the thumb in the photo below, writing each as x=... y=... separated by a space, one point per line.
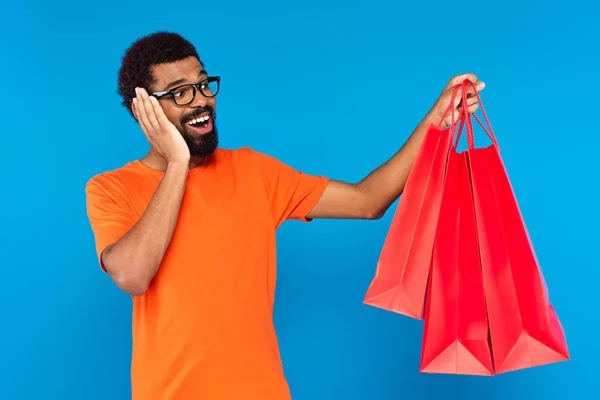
x=457 y=80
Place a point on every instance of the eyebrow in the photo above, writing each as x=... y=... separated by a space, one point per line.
x=181 y=81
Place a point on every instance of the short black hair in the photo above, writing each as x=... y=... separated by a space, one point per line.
x=150 y=50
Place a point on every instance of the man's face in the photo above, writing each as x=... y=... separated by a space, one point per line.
x=195 y=121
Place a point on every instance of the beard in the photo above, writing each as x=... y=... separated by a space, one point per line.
x=200 y=145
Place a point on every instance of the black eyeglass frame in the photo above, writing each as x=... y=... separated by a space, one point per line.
x=195 y=88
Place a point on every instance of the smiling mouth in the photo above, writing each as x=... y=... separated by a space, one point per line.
x=201 y=124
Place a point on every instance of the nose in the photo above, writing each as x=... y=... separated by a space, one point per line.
x=199 y=100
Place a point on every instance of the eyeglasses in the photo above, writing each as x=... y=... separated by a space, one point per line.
x=185 y=94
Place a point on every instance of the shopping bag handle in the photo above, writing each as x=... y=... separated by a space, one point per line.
x=450 y=108
x=466 y=116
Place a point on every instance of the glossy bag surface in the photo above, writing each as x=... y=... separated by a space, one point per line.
x=402 y=271
x=524 y=328
x=455 y=336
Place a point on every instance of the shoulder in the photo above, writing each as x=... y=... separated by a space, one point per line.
x=113 y=182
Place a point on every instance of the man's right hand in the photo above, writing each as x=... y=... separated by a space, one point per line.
x=160 y=132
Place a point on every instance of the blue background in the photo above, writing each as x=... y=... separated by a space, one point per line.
x=332 y=88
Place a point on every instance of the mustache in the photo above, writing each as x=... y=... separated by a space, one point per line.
x=197 y=112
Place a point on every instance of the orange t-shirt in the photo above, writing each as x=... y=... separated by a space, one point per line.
x=204 y=328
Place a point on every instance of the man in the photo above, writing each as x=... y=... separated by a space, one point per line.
x=189 y=230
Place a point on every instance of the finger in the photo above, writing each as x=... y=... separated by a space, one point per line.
x=139 y=111
x=457 y=114
x=149 y=108
x=143 y=118
x=476 y=86
x=457 y=99
x=459 y=96
x=471 y=97
x=161 y=118
x=471 y=100
x=140 y=115
x=470 y=109
x=457 y=80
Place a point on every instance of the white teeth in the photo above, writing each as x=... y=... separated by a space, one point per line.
x=197 y=120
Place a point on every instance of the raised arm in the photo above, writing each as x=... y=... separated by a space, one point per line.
x=132 y=258
x=373 y=195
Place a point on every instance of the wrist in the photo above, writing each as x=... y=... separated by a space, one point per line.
x=432 y=118
x=178 y=165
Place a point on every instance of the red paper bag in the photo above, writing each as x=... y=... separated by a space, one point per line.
x=402 y=271
x=455 y=336
x=524 y=328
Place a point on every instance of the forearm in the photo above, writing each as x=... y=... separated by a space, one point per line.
x=373 y=195
x=133 y=261
x=386 y=183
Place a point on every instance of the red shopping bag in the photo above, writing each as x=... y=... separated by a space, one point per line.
x=402 y=271
x=455 y=336
x=525 y=330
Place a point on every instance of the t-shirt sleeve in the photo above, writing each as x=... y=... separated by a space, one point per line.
x=109 y=215
x=291 y=193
